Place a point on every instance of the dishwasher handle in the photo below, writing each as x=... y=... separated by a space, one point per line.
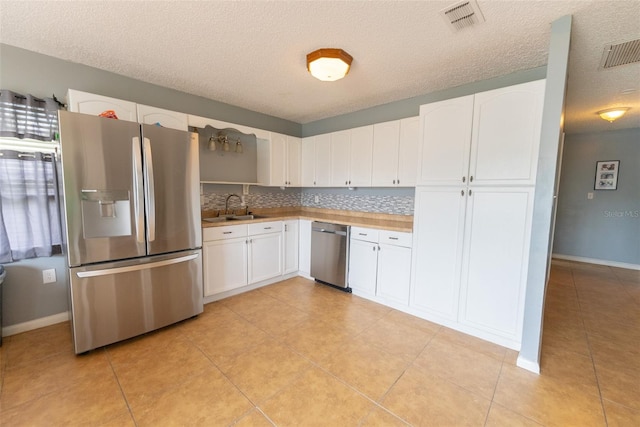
x=323 y=230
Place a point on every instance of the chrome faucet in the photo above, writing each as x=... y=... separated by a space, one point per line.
x=226 y=202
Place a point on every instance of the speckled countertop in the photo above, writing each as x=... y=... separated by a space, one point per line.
x=358 y=219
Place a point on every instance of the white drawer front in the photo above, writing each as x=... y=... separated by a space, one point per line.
x=397 y=238
x=265 y=227
x=225 y=232
x=366 y=234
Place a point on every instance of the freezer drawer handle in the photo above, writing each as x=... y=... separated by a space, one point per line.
x=110 y=271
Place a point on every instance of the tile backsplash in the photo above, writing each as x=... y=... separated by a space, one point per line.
x=376 y=200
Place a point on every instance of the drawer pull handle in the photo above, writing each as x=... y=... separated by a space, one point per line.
x=227 y=232
x=393 y=238
x=362 y=234
x=267 y=228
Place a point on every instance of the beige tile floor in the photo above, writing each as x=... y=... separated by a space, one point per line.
x=278 y=356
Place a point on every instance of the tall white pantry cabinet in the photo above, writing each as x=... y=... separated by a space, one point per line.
x=473 y=210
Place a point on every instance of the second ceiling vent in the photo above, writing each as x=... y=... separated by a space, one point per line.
x=618 y=54
x=462 y=14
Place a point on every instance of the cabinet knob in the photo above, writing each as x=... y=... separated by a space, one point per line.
x=314 y=183
x=394 y=181
x=469 y=192
x=462 y=192
x=471 y=178
x=346 y=182
x=398 y=182
x=378 y=248
x=464 y=179
x=349 y=182
x=374 y=248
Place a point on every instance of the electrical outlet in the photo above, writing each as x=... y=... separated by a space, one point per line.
x=590 y=196
x=49 y=276
x=316 y=199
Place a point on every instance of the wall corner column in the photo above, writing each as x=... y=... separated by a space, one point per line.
x=544 y=201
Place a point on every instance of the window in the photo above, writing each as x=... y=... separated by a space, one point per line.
x=30 y=223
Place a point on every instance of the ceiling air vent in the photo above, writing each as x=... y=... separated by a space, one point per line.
x=621 y=54
x=462 y=14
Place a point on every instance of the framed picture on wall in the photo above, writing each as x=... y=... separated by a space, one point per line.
x=607 y=175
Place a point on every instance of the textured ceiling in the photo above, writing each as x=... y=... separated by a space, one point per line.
x=252 y=53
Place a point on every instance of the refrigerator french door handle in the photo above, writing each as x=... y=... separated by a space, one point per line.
x=151 y=203
x=138 y=194
x=110 y=271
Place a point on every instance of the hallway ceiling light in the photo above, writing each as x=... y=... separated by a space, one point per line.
x=612 y=114
x=329 y=65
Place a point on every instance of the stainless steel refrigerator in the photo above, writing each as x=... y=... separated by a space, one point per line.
x=132 y=210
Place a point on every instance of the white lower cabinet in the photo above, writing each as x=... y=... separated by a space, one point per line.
x=470 y=259
x=225 y=252
x=304 y=250
x=380 y=264
x=240 y=255
x=265 y=256
x=291 y=246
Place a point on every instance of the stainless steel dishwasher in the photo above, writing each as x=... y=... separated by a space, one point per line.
x=330 y=253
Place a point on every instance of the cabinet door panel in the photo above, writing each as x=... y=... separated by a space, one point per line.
x=363 y=258
x=89 y=103
x=225 y=265
x=445 y=141
x=168 y=119
x=506 y=134
x=360 y=156
x=340 y=148
x=437 y=249
x=496 y=255
x=265 y=257
x=323 y=160
x=293 y=161
x=394 y=273
x=308 y=160
x=290 y=246
x=305 y=247
x=408 y=152
x=386 y=139
x=278 y=159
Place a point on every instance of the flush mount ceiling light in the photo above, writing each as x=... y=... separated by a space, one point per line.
x=612 y=114
x=329 y=65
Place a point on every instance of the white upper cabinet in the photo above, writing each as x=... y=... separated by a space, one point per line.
x=351 y=156
x=279 y=161
x=445 y=130
x=408 y=151
x=294 y=178
x=316 y=161
x=490 y=138
x=360 y=156
x=308 y=161
x=165 y=118
x=89 y=103
x=340 y=148
x=506 y=135
x=386 y=143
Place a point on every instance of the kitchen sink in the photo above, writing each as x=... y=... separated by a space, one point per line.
x=225 y=218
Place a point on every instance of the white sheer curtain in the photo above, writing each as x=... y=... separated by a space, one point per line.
x=29 y=215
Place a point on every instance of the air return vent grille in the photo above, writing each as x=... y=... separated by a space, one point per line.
x=462 y=14
x=621 y=54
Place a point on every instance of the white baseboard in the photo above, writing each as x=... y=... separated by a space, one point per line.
x=528 y=365
x=597 y=261
x=35 y=324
